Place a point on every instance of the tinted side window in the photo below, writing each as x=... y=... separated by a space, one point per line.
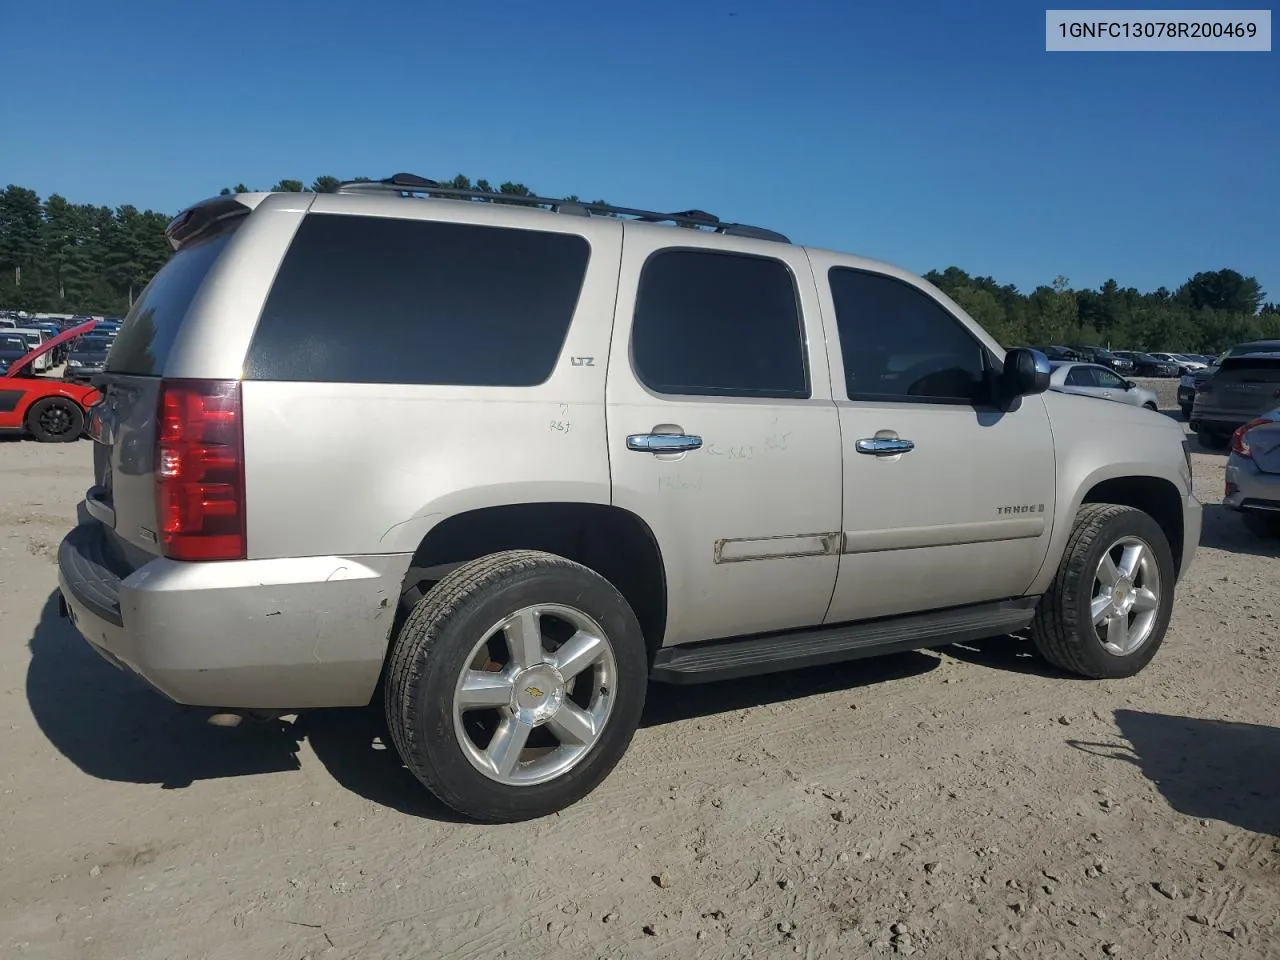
x=718 y=324
x=148 y=333
x=898 y=343
x=377 y=300
x=1081 y=377
x=1109 y=380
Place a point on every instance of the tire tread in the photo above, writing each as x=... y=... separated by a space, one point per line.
x=413 y=647
x=1057 y=621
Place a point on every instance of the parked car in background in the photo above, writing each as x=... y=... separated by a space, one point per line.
x=13 y=347
x=1189 y=383
x=47 y=408
x=36 y=338
x=1146 y=365
x=1241 y=388
x=1094 y=380
x=86 y=356
x=1060 y=353
x=1184 y=363
x=1253 y=474
x=1187 y=392
x=1106 y=358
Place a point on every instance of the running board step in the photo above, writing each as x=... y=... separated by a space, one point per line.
x=770 y=652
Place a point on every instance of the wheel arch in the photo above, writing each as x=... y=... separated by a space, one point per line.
x=615 y=543
x=56 y=391
x=1130 y=485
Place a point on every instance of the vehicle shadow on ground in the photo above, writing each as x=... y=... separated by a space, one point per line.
x=1222 y=529
x=668 y=703
x=1011 y=652
x=114 y=727
x=1204 y=768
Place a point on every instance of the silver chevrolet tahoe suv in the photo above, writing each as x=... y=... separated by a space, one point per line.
x=499 y=464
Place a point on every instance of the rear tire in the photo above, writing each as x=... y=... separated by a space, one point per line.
x=1152 y=407
x=1126 y=546
x=1186 y=413
x=55 y=420
x=468 y=725
x=1261 y=525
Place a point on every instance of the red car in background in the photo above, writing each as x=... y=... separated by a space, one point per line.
x=48 y=408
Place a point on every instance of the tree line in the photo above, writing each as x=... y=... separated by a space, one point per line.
x=62 y=257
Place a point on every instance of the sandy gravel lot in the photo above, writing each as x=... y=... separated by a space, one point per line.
x=952 y=804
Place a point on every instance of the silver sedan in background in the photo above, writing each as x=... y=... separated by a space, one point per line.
x=1253 y=474
x=1095 y=380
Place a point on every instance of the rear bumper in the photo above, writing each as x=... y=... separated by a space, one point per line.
x=1248 y=489
x=1225 y=425
x=264 y=634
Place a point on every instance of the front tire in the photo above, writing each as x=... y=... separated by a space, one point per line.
x=1106 y=612
x=55 y=420
x=516 y=685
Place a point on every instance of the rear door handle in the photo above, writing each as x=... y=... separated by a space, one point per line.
x=883 y=446
x=663 y=442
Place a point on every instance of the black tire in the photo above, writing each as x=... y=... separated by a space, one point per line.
x=1264 y=525
x=1186 y=413
x=1063 y=630
x=1152 y=407
x=1211 y=441
x=55 y=420
x=432 y=650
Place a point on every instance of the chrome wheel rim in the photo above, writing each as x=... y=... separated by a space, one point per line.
x=1126 y=596
x=535 y=694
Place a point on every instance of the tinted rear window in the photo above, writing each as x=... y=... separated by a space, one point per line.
x=377 y=300
x=143 y=342
x=1255 y=369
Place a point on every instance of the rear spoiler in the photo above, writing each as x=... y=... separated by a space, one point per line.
x=206 y=215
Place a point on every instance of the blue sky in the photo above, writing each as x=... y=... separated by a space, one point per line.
x=927 y=134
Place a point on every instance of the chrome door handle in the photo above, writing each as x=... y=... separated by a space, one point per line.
x=663 y=442
x=883 y=446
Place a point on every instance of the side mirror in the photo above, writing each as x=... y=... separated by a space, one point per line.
x=1025 y=372
x=1130 y=384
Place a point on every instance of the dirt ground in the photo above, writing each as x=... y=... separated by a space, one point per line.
x=966 y=803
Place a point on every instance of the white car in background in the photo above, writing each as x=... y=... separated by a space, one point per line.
x=35 y=338
x=1095 y=380
x=1184 y=363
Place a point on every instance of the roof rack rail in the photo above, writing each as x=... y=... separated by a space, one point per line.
x=409 y=184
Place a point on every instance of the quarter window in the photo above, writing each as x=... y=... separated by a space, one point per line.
x=718 y=324
x=380 y=300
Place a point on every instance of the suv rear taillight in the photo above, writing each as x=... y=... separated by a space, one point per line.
x=1238 y=442
x=200 y=470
